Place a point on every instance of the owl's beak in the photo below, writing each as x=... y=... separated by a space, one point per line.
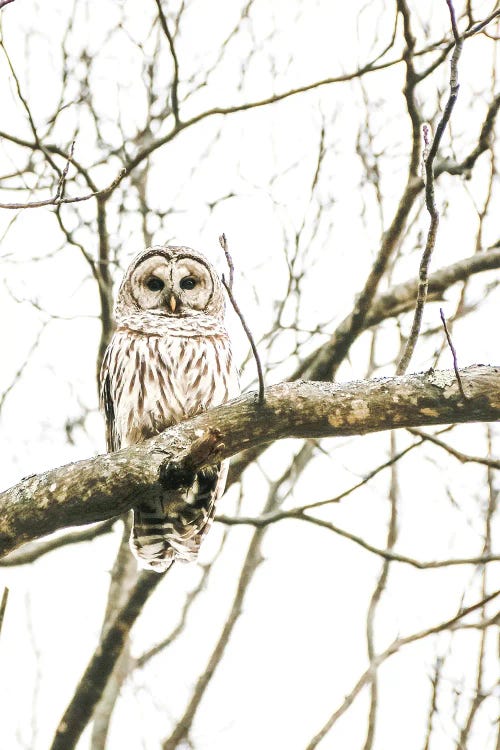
x=172 y=302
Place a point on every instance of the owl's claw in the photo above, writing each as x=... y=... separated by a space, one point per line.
x=174 y=476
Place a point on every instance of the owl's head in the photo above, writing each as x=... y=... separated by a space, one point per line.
x=173 y=281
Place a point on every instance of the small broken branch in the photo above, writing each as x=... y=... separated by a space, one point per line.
x=453 y=353
x=229 y=289
x=64 y=173
x=3 y=606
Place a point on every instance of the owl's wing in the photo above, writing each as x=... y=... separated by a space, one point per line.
x=107 y=404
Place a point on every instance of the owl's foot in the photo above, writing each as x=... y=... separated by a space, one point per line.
x=176 y=475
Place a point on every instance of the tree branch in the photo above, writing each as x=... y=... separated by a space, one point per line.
x=430 y=200
x=396 y=300
x=175 y=82
x=31 y=552
x=58 y=199
x=101 y=665
x=105 y=486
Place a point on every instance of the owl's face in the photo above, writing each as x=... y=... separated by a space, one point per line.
x=172 y=286
x=173 y=281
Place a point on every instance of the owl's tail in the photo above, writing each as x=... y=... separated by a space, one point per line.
x=161 y=536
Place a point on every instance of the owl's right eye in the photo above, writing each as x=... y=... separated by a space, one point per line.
x=154 y=284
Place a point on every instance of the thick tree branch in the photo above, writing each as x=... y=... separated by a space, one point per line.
x=105 y=486
x=31 y=552
x=102 y=663
x=395 y=301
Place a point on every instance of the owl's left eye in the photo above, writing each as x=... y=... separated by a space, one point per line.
x=188 y=282
x=154 y=284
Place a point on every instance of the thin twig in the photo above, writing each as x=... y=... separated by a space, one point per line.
x=430 y=200
x=163 y=644
x=22 y=366
x=464 y=458
x=453 y=353
x=57 y=200
x=393 y=648
x=378 y=592
x=175 y=82
x=223 y=243
x=482 y=24
x=229 y=289
x=278 y=492
x=62 y=179
x=5 y=595
x=433 y=709
x=385 y=554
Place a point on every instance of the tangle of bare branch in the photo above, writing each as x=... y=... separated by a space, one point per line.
x=430 y=200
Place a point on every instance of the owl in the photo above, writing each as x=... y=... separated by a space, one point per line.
x=169 y=359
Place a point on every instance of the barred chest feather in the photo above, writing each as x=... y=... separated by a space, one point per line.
x=157 y=380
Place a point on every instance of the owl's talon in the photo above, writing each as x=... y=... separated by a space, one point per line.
x=174 y=475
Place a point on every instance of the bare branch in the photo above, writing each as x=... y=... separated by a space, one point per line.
x=3 y=606
x=253 y=558
x=229 y=289
x=22 y=367
x=34 y=550
x=229 y=260
x=106 y=486
x=101 y=665
x=412 y=79
x=175 y=82
x=462 y=457
x=430 y=201
x=143 y=659
x=396 y=300
x=453 y=352
x=386 y=554
x=58 y=200
x=392 y=534
x=395 y=646
x=436 y=678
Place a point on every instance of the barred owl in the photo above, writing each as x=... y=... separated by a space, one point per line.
x=169 y=358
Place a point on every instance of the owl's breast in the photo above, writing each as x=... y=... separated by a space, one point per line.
x=159 y=380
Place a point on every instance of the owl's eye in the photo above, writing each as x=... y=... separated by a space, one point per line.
x=154 y=284
x=188 y=282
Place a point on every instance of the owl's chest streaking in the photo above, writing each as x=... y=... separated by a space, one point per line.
x=157 y=380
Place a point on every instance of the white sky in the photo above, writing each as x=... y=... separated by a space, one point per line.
x=299 y=644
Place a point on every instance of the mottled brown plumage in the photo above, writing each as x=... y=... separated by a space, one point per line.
x=169 y=359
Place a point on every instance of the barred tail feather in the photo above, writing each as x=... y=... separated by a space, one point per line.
x=157 y=539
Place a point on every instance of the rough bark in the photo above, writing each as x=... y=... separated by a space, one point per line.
x=94 y=680
x=123 y=580
x=105 y=486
